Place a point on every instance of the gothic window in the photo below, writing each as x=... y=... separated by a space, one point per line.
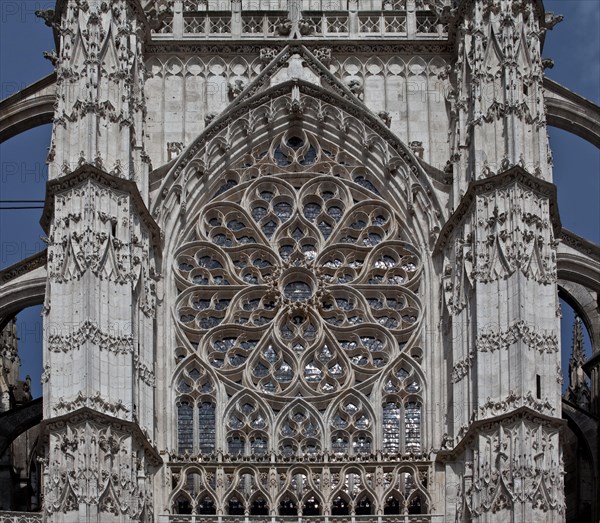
x=340 y=507
x=185 y=426
x=351 y=426
x=247 y=494
x=405 y=491
x=299 y=433
x=312 y=506
x=196 y=418
x=297 y=287
x=288 y=506
x=183 y=505
x=192 y=496
x=235 y=506
x=247 y=428
x=401 y=411
x=364 y=506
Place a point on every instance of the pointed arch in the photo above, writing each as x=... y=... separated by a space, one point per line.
x=174 y=66
x=249 y=420
x=194 y=67
x=342 y=122
x=290 y=178
x=351 y=418
x=195 y=413
x=297 y=426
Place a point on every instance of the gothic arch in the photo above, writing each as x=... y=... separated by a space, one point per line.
x=195 y=407
x=252 y=205
x=585 y=303
x=298 y=426
x=22 y=285
x=248 y=418
x=29 y=108
x=354 y=483
x=351 y=418
x=403 y=390
x=243 y=127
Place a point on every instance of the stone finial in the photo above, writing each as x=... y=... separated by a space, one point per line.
x=579 y=388
x=174 y=149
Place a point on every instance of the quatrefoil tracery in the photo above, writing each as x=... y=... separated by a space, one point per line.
x=296 y=286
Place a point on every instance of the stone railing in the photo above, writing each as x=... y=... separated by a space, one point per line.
x=313 y=24
x=20 y=517
x=300 y=519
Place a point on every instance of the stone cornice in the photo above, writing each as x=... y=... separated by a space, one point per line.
x=23 y=267
x=475 y=427
x=86 y=414
x=580 y=244
x=89 y=172
x=511 y=176
x=229 y=47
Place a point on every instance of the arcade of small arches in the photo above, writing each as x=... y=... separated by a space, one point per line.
x=340 y=490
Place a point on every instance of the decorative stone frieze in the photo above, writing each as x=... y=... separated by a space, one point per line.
x=92 y=463
x=493 y=339
x=89 y=332
x=514 y=466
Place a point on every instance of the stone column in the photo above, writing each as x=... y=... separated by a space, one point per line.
x=503 y=451
x=100 y=303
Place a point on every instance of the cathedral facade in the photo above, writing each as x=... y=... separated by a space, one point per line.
x=304 y=262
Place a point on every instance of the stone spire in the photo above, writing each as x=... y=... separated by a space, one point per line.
x=579 y=389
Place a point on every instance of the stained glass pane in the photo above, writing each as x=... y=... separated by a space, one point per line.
x=236 y=445
x=412 y=427
x=391 y=427
x=206 y=428
x=185 y=428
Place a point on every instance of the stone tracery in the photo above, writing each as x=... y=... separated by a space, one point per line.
x=297 y=283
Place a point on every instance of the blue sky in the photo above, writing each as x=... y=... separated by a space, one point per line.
x=574 y=45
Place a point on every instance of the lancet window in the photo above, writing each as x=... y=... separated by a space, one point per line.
x=402 y=410
x=196 y=411
x=247 y=429
x=351 y=428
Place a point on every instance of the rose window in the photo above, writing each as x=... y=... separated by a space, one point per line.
x=298 y=285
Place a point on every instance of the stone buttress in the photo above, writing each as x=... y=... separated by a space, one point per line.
x=100 y=303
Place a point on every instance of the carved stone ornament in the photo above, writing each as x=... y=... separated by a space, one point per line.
x=514 y=467
x=94 y=464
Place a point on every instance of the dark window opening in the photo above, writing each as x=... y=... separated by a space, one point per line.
x=287 y=507
x=392 y=506
x=312 y=507
x=259 y=508
x=183 y=506
x=363 y=507
x=415 y=506
x=340 y=507
x=236 y=507
x=207 y=506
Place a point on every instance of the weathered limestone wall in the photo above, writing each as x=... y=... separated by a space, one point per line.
x=185 y=93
